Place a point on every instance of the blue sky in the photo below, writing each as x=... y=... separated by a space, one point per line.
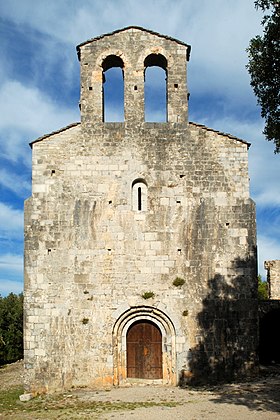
x=39 y=93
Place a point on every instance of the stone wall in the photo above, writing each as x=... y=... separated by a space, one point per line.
x=91 y=254
x=273 y=278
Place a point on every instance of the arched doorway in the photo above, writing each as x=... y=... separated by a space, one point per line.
x=144 y=351
x=160 y=330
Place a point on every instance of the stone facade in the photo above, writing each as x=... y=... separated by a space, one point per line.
x=134 y=223
x=273 y=278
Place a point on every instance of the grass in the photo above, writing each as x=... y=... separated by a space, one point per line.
x=64 y=406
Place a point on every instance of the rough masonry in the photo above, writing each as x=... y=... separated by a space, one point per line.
x=273 y=278
x=140 y=238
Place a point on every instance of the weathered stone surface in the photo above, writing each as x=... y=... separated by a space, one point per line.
x=273 y=278
x=25 y=397
x=91 y=253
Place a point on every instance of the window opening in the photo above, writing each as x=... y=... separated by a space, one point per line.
x=155 y=75
x=113 y=89
x=139 y=199
x=139 y=195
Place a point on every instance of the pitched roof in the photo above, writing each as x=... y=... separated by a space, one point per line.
x=140 y=28
x=54 y=132
x=230 y=136
x=203 y=127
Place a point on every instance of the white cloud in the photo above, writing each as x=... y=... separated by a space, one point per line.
x=9 y=262
x=268 y=249
x=11 y=222
x=15 y=183
x=30 y=110
x=11 y=268
x=10 y=286
x=27 y=113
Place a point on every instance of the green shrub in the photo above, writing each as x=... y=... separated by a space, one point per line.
x=262 y=289
x=148 y=295
x=178 y=282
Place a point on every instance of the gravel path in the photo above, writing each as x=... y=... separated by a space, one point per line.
x=258 y=400
x=255 y=400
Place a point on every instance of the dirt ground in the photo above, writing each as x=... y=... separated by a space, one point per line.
x=258 y=399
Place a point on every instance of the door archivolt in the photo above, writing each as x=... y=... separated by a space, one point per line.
x=144 y=346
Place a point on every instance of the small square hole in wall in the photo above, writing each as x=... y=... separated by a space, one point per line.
x=90 y=88
x=176 y=85
x=227 y=223
x=178 y=201
x=135 y=87
x=110 y=201
x=53 y=172
x=182 y=176
x=49 y=251
x=179 y=251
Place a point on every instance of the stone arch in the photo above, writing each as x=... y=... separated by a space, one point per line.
x=155 y=87
x=113 y=110
x=167 y=329
x=108 y=59
x=139 y=195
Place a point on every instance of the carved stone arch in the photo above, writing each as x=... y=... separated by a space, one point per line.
x=111 y=52
x=107 y=60
x=139 y=192
x=155 y=65
x=153 y=50
x=167 y=329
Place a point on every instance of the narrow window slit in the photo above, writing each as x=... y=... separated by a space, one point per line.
x=139 y=199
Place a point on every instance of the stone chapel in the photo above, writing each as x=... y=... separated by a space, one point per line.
x=140 y=237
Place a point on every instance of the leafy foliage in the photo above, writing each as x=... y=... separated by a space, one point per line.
x=262 y=289
x=178 y=282
x=11 y=328
x=264 y=69
x=148 y=295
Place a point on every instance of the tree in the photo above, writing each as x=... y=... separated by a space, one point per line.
x=262 y=289
x=264 y=69
x=11 y=328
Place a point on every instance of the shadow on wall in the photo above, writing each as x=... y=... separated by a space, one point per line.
x=269 y=348
x=228 y=329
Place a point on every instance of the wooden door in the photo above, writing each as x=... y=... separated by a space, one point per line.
x=144 y=351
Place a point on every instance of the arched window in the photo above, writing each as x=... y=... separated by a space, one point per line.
x=139 y=195
x=155 y=88
x=113 y=89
